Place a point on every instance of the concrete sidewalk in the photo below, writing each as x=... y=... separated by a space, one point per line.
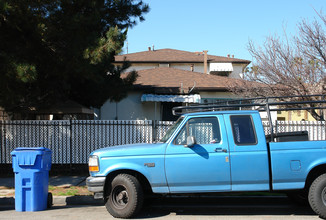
x=7 y=188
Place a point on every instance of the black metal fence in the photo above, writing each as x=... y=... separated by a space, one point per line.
x=72 y=141
x=316 y=129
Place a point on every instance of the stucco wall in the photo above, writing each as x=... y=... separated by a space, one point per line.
x=141 y=67
x=237 y=70
x=197 y=67
x=130 y=108
x=226 y=95
x=299 y=115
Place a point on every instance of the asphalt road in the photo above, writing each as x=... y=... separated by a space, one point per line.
x=181 y=208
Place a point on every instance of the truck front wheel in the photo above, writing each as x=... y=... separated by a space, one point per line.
x=126 y=196
x=317 y=196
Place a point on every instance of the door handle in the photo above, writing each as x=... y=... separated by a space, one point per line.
x=221 y=150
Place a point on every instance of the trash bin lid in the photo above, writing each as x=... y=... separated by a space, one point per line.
x=27 y=155
x=31 y=149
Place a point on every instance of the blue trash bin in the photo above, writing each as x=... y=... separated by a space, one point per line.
x=31 y=167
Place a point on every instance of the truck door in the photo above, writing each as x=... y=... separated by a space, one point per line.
x=203 y=167
x=248 y=152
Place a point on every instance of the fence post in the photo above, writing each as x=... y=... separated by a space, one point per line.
x=4 y=142
x=70 y=131
x=1 y=147
x=154 y=131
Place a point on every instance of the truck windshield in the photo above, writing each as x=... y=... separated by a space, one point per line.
x=171 y=130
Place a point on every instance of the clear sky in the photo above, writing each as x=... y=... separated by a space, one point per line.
x=220 y=26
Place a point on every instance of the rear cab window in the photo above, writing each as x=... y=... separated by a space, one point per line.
x=243 y=130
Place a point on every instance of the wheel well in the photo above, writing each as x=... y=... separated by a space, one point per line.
x=140 y=177
x=314 y=173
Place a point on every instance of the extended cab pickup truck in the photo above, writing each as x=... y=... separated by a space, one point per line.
x=209 y=152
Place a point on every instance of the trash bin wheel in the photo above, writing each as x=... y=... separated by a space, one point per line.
x=49 y=201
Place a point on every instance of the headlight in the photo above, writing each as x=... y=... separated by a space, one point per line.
x=93 y=165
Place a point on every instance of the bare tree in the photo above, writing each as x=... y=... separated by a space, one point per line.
x=295 y=66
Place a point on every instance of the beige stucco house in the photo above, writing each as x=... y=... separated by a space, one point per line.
x=168 y=78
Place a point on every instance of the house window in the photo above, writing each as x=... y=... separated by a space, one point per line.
x=192 y=67
x=220 y=73
x=281 y=118
x=299 y=113
x=167 y=111
x=164 y=65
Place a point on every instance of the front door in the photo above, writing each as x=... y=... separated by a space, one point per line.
x=205 y=167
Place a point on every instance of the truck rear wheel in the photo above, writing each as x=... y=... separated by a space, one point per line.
x=317 y=196
x=126 y=196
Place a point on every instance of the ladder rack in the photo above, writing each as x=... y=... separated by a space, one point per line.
x=266 y=104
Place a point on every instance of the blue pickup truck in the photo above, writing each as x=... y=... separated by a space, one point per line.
x=209 y=152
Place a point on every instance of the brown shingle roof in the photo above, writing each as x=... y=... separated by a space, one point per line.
x=174 y=56
x=170 y=80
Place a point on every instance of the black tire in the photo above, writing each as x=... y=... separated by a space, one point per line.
x=49 y=202
x=317 y=196
x=126 y=196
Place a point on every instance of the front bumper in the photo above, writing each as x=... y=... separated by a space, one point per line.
x=96 y=185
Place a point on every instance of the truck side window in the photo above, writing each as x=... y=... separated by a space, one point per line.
x=243 y=130
x=205 y=130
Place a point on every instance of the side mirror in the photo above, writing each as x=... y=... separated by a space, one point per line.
x=191 y=141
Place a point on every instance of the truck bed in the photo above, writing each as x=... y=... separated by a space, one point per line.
x=292 y=161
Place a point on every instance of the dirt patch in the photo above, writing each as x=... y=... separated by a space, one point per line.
x=69 y=191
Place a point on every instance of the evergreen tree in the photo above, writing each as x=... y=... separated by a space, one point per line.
x=55 y=50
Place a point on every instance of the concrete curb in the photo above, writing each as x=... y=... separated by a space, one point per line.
x=76 y=200
x=60 y=200
x=8 y=201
